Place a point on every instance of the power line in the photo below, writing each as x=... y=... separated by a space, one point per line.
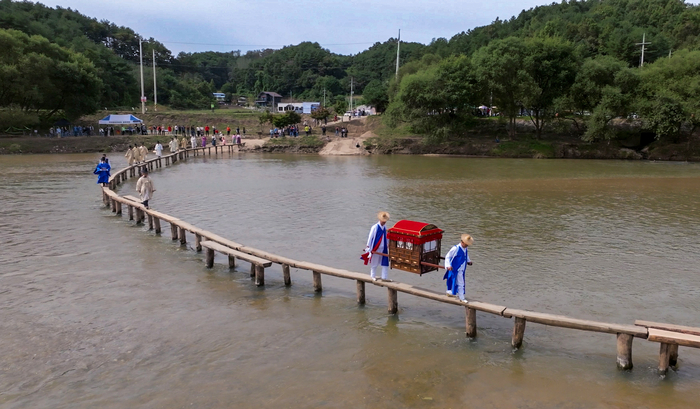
x=253 y=45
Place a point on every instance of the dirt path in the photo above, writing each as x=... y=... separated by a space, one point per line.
x=346 y=146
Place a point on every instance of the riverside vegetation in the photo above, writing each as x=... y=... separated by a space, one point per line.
x=559 y=76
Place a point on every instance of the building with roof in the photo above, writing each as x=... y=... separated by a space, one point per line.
x=268 y=99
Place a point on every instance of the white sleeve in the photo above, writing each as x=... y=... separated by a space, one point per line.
x=370 y=239
x=450 y=255
x=468 y=259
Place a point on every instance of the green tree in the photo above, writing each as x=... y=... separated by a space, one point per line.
x=290 y=118
x=502 y=76
x=438 y=100
x=340 y=106
x=44 y=78
x=604 y=89
x=376 y=94
x=668 y=96
x=320 y=114
x=550 y=66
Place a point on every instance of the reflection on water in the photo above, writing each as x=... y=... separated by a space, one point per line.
x=96 y=312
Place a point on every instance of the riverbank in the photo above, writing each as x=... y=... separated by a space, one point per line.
x=369 y=135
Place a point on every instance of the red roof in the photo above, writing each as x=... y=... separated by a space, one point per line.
x=412 y=228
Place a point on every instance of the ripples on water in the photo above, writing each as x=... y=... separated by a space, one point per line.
x=96 y=312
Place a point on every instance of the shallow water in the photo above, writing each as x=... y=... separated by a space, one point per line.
x=97 y=312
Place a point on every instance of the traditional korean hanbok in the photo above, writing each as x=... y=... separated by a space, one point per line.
x=204 y=141
x=193 y=141
x=143 y=153
x=102 y=172
x=145 y=188
x=130 y=156
x=457 y=258
x=377 y=242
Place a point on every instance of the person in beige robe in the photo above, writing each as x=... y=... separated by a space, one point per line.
x=183 y=143
x=145 y=187
x=130 y=155
x=143 y=151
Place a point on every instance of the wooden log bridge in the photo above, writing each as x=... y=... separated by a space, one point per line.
x=669 y=336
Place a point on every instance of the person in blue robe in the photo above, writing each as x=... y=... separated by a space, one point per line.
x=377 y=242
x=456 y=262
x=102 y=171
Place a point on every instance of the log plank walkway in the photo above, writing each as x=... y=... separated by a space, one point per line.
x=668 y=335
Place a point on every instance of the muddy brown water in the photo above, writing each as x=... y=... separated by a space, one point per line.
x=98 y=312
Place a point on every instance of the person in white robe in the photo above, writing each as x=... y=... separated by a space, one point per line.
x=143 y=152
x=145 y=187
x=193 y=142
x=158 y=149
x=377 y=243
x=456 y=262
x=130 y=155
x=173 y=145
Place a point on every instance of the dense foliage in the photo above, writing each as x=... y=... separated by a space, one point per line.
x=576 y=62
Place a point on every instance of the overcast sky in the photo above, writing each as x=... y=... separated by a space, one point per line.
x=345 y=27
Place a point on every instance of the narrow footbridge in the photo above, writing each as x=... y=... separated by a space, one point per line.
x=669 y=336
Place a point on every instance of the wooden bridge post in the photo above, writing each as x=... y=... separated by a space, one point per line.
x=393 y=300
x=131 y=212
x=360 y=292
x=167 y=161
x=252 y=270
x=139 y=216
x=673 y=356
x=518 y=332
x=119 y=208
x=259 y=276
x=183 y=236
x=231 y=261
x=197 y=242
x=286 y=275
x=664 y=358
x=156 y=222
x=210 y=258
x=624 y=351
x=318 y=287
x=150 y=221
x=114 y=205
x=173 y=231
x=471 y=322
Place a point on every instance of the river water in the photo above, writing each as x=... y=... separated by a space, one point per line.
x=98 y=312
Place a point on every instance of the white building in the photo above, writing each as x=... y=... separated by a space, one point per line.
x=298 y=107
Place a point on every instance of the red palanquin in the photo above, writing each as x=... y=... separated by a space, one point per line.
x=413 y=243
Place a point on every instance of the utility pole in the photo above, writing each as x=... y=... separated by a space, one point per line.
x=643 y=44
x=398 y=49
x=352 y=91
x=324 y=97
x=143 y=96
x=155 y=85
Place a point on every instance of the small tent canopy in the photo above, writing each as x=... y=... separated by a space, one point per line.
x=120 y=120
